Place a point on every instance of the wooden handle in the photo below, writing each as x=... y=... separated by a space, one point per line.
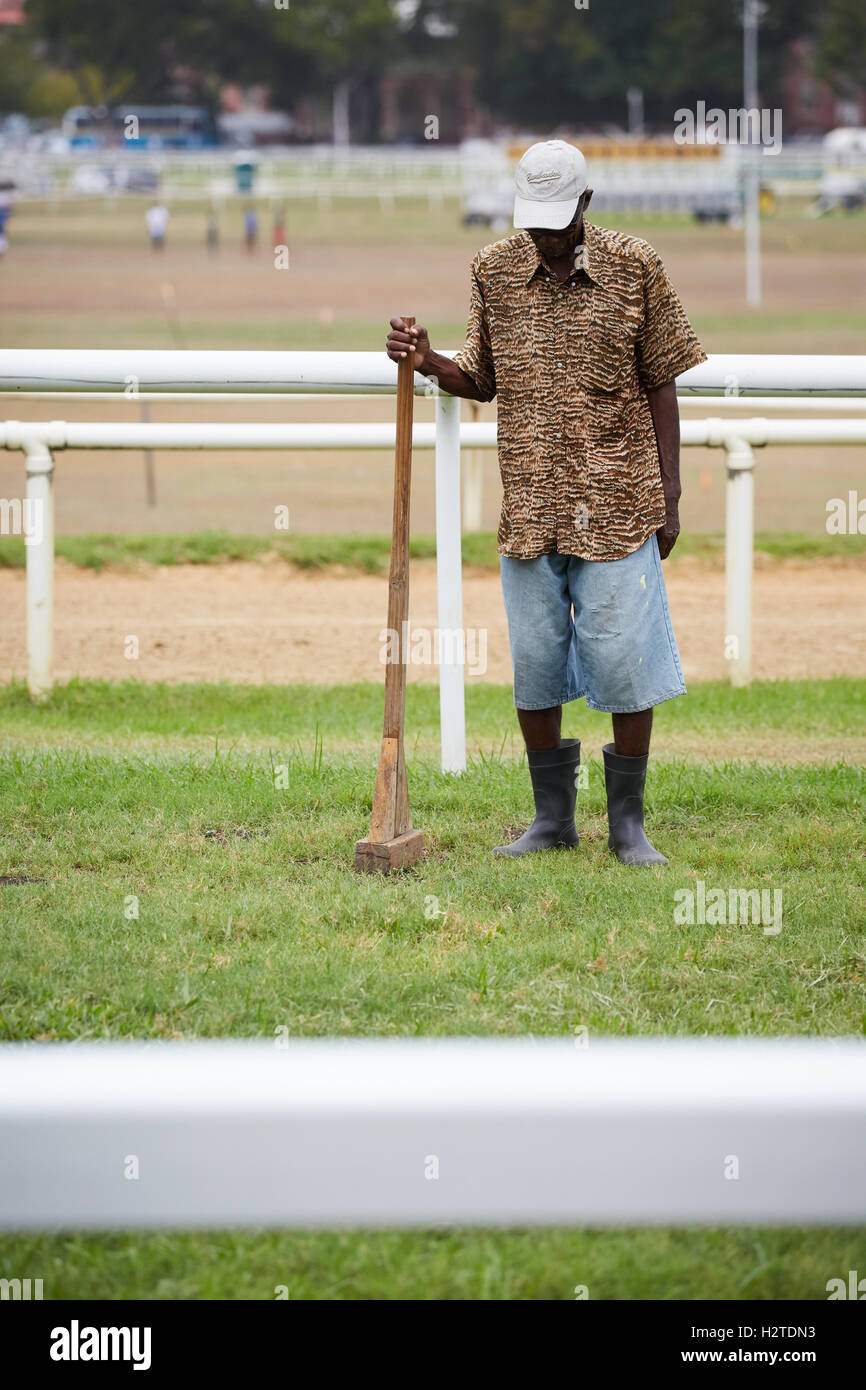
x=391 y=816
x=398 y=582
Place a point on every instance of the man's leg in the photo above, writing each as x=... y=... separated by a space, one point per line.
x=541 y=728
x=554 y=764
x=538 y=608
x=629 y=662
x=625 y=765
x=631 y=733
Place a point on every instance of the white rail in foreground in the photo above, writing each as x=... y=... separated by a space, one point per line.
x=431 y=1132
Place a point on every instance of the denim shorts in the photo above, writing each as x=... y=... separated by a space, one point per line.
x=618 y=649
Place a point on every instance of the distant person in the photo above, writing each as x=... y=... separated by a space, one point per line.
x=212 y=234
x=251 y=228
x=6 y=190
x=279 y=227
x=156 y=218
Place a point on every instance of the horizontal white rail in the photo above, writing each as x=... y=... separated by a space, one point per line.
x=775 y=372
x=822 y=404
x=64 y=434
x=147 y=369
x=717 y=433
x=432 y=1132
x=198 y=397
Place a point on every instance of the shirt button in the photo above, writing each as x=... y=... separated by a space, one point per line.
x=559 y=364
x=559 y=296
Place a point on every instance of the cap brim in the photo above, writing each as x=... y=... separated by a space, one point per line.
x=528 y=212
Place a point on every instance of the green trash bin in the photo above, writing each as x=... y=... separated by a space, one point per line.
x=245 y=174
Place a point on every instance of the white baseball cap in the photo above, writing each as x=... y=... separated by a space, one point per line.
x=549 y=179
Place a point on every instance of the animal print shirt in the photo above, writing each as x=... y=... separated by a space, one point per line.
x=570 y=363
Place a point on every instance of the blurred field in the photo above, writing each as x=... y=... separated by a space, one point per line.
x=81 y=275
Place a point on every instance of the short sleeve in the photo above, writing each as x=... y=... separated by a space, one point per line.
x=666 y=344
x=475 y=357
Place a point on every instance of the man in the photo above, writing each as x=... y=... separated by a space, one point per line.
x=579 y=333
x=212 y=233
x=7 y=189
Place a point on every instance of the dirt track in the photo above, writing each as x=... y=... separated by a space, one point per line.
x=270 y=623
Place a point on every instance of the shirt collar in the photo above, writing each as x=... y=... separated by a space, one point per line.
x=590 y=257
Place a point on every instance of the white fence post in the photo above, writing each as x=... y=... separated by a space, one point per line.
x=739 y=551
x=449 y=581
x=39 y=550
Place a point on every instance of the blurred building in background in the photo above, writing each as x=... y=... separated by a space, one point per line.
x=413 y=91
x=811 y=106
x=11 y=11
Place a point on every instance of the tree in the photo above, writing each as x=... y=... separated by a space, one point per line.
x=19 y=69
x=117 y=40
x=51 y=94
x=543 y=63
x=841 y=53
x=292 y=50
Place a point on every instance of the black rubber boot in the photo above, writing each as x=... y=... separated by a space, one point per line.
x=624 y=780
x=554 y=786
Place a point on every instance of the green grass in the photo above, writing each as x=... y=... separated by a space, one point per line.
x=232 y=823
x=250 y=917
x=431 y=1265
x=370 y=554
x=321 y=720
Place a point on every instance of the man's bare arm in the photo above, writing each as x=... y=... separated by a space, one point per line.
x=666 y=421
x=449 y=376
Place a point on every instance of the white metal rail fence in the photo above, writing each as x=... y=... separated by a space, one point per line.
x=140 y=374
x=432 y=1132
